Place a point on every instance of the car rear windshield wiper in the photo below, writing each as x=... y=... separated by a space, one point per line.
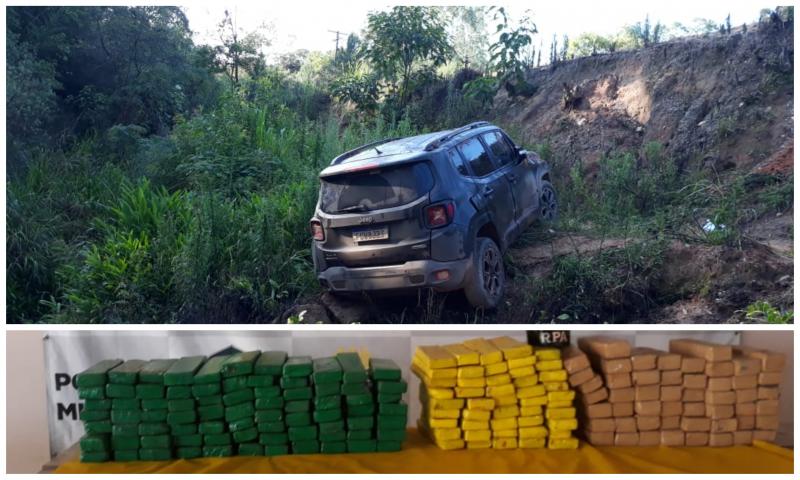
x=354 y=208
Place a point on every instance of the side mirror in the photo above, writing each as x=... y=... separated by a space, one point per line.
x=522 y=154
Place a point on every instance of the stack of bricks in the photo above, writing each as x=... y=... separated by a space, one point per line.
x=327 y=381
x=768 y=368
x=596 y=413
x=96 y=444
x=392 y=415
x=151 y=397
x=207 y=393
x=359 y=404
x=295 y=383
x=181 y=410
x=238 y=401
x=269 y=403
x=486 y=393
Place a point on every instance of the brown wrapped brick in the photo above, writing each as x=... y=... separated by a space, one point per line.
x=720 y=398
x=695 y=424
x=626 y=439
x=693 y=395
x=668 y=361
x=643 y=393
x=646 y=377
x=696 y=439
x=723 y=425
x=672 y=438
x=720 y=384
x=711 y=352
x=598 y=410
x=746 y=422
x=746 y=395
x=605 y=346
x=595 y=397
x=719 y=369
x=650 y=439
x=580 y=377
x=622 y=409
x=643 y=359
x=695 y=380
x=618 y=380
x=766 y=422
x=621 y=395
x=694 y=409
x=625 y=424
x=742 y=382
x=616 y=365
x=765 y=435
x=671 y=393
x=671 y=377
x=693 y=365
x=720 y=411
x=745 y=365
x=770 y=378
x=669 y=409
x=743 y=437
x=600 y=438
x=594 y=384
x=720 y=439
x=767 y=407
x=647 y=408
x=768 y=393
x=745 y=409
x=646 y=423
x=600 y=424
x=574 y=359
x=770 y=361
x=671 y=423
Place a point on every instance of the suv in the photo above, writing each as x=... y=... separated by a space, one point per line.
x=430 y=211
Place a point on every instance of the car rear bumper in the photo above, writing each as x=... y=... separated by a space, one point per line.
x=413 y=274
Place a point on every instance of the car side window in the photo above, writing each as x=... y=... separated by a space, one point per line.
x=458 y=162
x=476 y=156
x=499 y=147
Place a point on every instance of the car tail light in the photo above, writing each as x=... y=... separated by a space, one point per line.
x=440 y=214
x=441 y=275
x=316 y=231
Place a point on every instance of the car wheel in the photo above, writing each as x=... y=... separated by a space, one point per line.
x=488 y=280
x=548 y=203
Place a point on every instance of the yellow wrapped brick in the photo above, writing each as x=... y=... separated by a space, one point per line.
x=471 y=382
x=562 y=424
x=504 y=433
x=560 y=433
x=506 y=412
x=439 y=393
x=474 y=425
x=553 y=376
x=500 y=390
x=489 y=354
x=480 y=415
x=548 y=365
x=547 y=353
x=505 y=400
x=561 y=404
x=532 y=442
x=443 y=434
x=470 y=392
x=464 y=355
x=504 y=443
x=443 y=413
x=496 y=368
x=512 y=348
x=533 y=401
x=499 y=379
x=454 y=444
x=521 y=362
x=438 y=382
x=479 y=444
x=522 y=372
x=530 y=421
x=532 y=391
x=562 y=443
x=556 y=386
x=531 y=411
x=504 y=424
x=559 y=413
x=432 y=356
x=442 y=422
x=528 y=381
x=444 y=403
x=440 y=373
x=472 y=371
x=480 y=403
x=533 y=432
x=568 y=395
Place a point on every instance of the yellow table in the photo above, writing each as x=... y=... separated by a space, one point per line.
x=420 y=456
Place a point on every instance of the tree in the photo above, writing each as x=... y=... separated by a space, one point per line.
x=466 y=28
x=564 y=48
x=401 y=41
x=240 y=52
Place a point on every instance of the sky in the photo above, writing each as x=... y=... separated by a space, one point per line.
x=307 y=25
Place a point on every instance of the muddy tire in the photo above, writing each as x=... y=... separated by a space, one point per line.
x=487 y=284
x=548 y=203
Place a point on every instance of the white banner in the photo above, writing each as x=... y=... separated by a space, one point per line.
x=69 y=353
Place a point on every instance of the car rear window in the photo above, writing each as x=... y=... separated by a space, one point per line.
x=375 y=189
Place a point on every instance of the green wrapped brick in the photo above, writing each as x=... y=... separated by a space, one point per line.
x=125 y=442
x=388 y=446
x=153 y=429
x=180 y=405
x=151 y=416
x=182 y=371
x=206 y=389
x=181 y=429
x=361 y=446
x=393 y=409
x=120 y=391
x=237 y=397
x=361 y=410
x=96 y=375
x=393 y=435
x=179 y=392
x=303 y=393
x=305 y=447
x=126 y=404
x=211 y=400
x=251 y=450
x=211 y=412
x=184 y=416
x=239 y=411
x=333 y=447
x=293 y=382
x=267 y=392
x=297 y=367
x=298 y=419
x=359 y=399
x=187 y=453
x=269 y=416
x=246 y=435
x=92 y=393
x=307 y=432
x=126 y=416
x=195 y=440
x=95 y=457
x=210 y=372
x=94 y=405
x=279 y=449
x=297 y=406
x=155 y=454
x=154 y=404
x=233 y=384
x=271 y=427
x=156 y=441
x=328 y=402
x=126 y=373
x=359 y=434
x=217 y=439
x=154 y=370
x=242 y=424
x=270 y=363
x=323 y=416
x=94 y=415
x=147 y=391
x=384 y=369
x=333 y=426
x=355 y=389
x=240 y=364
x=337 y=436
x=125 y=430
x=255 y=381
x=327 y=389
x=353 y=370
x=360 y=423
x=126 y=455
x=269 y=403
x=391 y=422
x=392 y=387
x=218 y=451
x=278 y=438
x=389 y=397
x=211 y=428
x=95 y=443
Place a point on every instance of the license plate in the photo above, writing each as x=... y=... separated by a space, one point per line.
x=381 y=233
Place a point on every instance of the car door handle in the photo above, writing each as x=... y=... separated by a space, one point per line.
x=488 y=191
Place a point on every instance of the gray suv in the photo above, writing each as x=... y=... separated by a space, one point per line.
x=430 y=211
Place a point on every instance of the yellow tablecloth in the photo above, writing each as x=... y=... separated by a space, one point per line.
x=420 y=456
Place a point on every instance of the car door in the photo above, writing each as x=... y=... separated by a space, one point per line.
x=493 y=189
x=519 y=175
